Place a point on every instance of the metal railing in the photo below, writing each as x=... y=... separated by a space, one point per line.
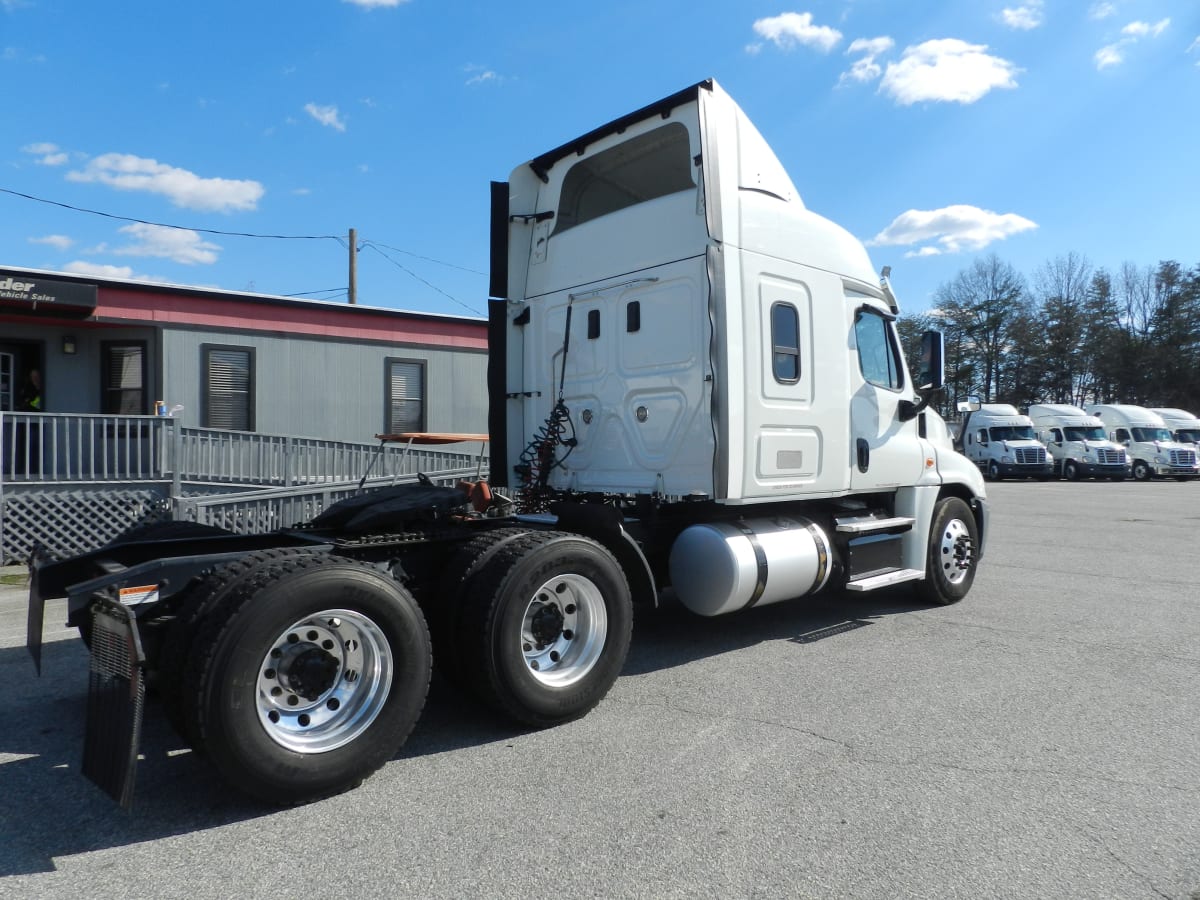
x=73 y=480
x=254 y=512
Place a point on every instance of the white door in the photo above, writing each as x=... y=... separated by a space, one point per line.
x=885 y=452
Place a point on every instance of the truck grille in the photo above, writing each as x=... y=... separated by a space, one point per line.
x=1110 y=457
x=1183 y=459
x=1031 y=456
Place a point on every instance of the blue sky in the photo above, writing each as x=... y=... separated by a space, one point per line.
x=935 y=131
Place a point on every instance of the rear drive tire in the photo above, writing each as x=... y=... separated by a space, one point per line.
x=544 y=627
x=305 y=679
x=952 y=555
x=191 y=611
x=444 y=610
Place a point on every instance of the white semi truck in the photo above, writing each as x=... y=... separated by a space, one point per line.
x=1152 y=449
x=696 y=385
x=1001 y=442
x=1184 y=427
x=1077 y=444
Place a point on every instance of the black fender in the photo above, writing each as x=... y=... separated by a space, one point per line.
x=605 y=524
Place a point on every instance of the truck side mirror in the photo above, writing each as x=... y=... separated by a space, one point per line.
x=971 y=404
x=931 y=375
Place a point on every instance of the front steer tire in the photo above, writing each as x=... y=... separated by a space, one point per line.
x=544 y=627
x=307 y=677
x=952 y=554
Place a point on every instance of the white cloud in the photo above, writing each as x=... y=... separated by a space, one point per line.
x=1102 y=11
x=57 y=241
x=181 y=245
x=79 y=267
x=1145 y=29
x=1111 y=55
x=1195 y=45
x=376 y=4
x=866 y=68
x=49 y=154
x=1026 y=17
x=789 y=29
x=950 y=229
x=483 y=78
x=326 y=115
x=946 y=70
x=1114 y=54
x=183 y=188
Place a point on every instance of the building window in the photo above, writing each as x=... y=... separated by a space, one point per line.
x=878 y=357
x=785 y=342
x=227 y=387
x=405 y=396
x=642 y=168
x=123 y=379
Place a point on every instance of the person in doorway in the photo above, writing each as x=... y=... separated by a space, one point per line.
x=31 y=399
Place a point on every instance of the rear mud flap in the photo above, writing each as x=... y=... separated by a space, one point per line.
x=34 y=618
x=116 y=696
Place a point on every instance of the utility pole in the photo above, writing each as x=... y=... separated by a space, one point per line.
x=352 y=291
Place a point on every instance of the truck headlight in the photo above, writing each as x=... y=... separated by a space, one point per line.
x=1159 y=458
x=1005 y=458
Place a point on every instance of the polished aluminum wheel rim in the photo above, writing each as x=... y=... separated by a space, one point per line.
x=324 y=681
x=956 y=551
x=563 y=630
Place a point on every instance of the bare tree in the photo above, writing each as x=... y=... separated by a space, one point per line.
x=981 y=306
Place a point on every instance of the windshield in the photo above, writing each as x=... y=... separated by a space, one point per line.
x=1011 y=433
x=1084 y=433
x=1151 y=434
x=1188 y=435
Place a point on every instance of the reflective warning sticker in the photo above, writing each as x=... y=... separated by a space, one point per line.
x=135 y=596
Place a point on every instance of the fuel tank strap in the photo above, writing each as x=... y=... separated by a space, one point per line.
x=760 y=558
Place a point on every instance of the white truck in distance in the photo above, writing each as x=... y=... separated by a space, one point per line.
x=1151 y=447
x=1077 y=444
x=1184 y=427
x=695 y=383
x=1001 y=442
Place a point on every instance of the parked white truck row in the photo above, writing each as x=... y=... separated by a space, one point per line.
x=1110 y=441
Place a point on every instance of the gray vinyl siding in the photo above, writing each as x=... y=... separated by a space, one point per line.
x=329 y=388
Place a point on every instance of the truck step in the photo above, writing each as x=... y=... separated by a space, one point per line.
x=872 y=524
x=885 y=579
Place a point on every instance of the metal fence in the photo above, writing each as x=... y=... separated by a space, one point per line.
x=71 y=482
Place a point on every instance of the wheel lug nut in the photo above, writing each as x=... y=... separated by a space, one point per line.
x=533 y=664
x=568 y=634
x=527 y=647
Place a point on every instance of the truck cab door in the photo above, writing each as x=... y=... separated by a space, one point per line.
x=886 y=451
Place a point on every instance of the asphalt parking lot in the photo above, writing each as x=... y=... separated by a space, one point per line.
x=1039 y=739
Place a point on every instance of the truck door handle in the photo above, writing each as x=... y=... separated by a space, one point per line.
x=864 y=455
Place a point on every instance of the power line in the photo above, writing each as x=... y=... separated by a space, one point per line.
x=403 y=268
x=373 y=245
x=96 y=212
x=426 y=258
x=337 y=290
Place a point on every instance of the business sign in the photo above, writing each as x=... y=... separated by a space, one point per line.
x=20 y=292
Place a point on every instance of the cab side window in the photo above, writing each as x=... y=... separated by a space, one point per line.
x=878 y=355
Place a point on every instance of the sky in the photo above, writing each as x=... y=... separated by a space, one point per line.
x=234 y=145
